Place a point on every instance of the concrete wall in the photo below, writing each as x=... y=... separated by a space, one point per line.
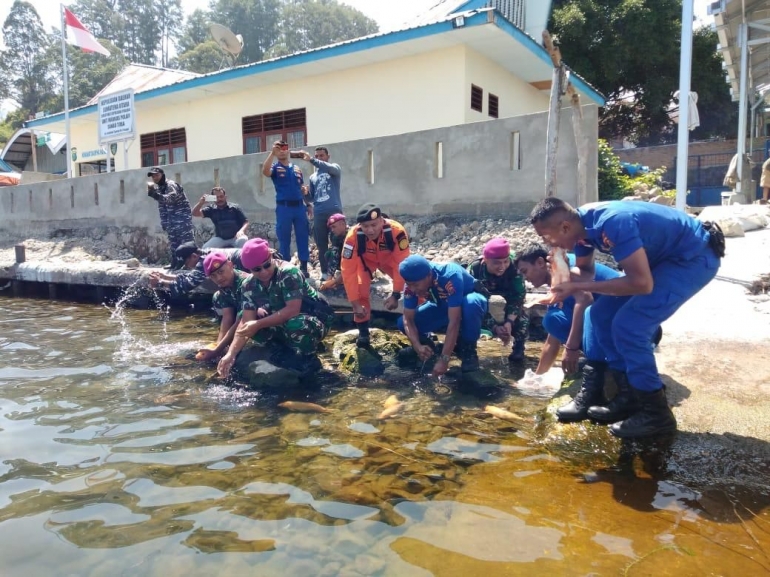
x=477 y=177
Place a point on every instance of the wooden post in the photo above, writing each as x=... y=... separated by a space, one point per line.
x=21 y=253
x=554 y=114
x=33 y=140
x=580 y=145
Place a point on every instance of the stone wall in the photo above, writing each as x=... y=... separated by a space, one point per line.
x=494 y=167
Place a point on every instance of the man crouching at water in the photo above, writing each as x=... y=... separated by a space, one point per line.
x=227 y=301
x=667 y=257
x=297 y=317
x=449 y=303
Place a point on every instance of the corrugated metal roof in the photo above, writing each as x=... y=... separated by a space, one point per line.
x=141 y=77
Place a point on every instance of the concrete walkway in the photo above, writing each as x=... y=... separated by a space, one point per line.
x=715 y=356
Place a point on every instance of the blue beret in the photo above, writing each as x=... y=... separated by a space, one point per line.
x=414 y=268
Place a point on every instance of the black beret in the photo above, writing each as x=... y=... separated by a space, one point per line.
x=184 y=250
x=368 y=212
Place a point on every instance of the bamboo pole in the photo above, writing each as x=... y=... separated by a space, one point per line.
x=580 y=147
x=554 y=114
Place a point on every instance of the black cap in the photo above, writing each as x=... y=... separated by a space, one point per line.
x=155 y=170
x=367 y=212
x=184 y=250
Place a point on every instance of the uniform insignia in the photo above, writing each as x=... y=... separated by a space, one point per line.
x=449 y=288
x=608 y=244
x=347 y=251
x=374 y=214
x=403 y=241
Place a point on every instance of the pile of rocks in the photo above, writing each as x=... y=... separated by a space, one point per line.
x=654 y=194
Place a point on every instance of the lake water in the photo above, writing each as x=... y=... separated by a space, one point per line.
x=118 y=456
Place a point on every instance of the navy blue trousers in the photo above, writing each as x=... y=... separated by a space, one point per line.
x=431 y=317
x=287 y=217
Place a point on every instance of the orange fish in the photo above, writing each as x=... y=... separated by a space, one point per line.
x=390 y=401
x=391 y=410
x=301 y=407
x=503 y=414
x=559 y=266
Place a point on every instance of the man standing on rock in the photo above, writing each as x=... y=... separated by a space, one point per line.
x=174 y=209
x=290 y=210
x=280 y=307
x=375 y=243
x=230 y=223
x=667 y=257
x=498 y=276
x=325 y=194
x=451 y=304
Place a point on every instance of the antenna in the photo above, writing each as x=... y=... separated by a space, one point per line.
x=230 y=44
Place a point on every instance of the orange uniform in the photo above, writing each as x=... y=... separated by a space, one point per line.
x=359 y=261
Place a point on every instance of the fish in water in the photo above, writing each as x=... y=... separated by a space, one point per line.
x=301 y=407
x=391 y=410
x=390 y=401
x=502 y=414
x=559 y=266
x=211 y=347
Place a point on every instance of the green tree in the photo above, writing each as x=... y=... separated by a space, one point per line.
x=169 y=14
x=25 y=62
x=205 y=57
x=101 y=17
x=256 y=20
x=307 y=24
x=195 y=31
x=139 y=35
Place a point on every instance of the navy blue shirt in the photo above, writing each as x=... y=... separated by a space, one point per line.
x=451 y=282
x=621 y=228
x=287 y=180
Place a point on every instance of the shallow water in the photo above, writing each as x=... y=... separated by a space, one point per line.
x=120 y=457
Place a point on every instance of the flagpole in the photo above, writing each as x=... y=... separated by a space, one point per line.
x=66 y=92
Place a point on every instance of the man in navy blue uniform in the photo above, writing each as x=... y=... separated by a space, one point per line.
x=667 y=257
x=174 y=210
x=449 y=303
x=290 y=210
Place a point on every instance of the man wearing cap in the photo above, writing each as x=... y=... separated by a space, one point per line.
x=498 y=276
x=230 y=223
x=338 y=229
x=290 y=210
x=227 y=300
x=297 y=318
x=375 y=243
x=451 y=304
x=325 y=194
x=174 y=209
x=192 y=274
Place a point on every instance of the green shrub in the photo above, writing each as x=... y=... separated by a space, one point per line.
x=614 y=185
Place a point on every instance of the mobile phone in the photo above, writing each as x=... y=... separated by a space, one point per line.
x=296 y=154
x=211 y=198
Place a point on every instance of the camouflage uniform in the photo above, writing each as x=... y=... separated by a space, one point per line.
x=231 y=297
x=334 y=254
x=301 y=333
x=175 y=212
x=187 y=280
x=510 y=286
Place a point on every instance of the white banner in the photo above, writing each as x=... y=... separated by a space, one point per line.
x=116 y=116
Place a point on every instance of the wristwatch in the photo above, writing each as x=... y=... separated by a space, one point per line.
x=445 y=358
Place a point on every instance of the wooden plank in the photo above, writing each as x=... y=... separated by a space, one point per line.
x=542 y=84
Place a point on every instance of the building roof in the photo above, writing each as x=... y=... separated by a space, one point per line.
x=141 y=77
x=19 y=147
x=485 y=31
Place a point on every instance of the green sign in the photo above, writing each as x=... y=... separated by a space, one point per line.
x=74 y=154
x=114 y=148
x=43 y=138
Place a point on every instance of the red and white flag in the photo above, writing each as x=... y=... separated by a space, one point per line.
x=77 y=35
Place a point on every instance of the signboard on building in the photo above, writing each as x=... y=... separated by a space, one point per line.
x=116 y=116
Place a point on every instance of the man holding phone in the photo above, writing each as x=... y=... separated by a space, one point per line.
x=289 y=202
x=230 y=223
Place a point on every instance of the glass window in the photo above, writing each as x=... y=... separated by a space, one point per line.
x=296 y=139
x=179 y=154
x=252 y=145
x=163 y=157
x=148 y=158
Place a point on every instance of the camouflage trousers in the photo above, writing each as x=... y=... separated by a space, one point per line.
x=178 y=226
x=520 y=328
x=302 y=334
x=333 y=257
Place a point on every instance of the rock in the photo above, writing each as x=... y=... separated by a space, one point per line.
x=497 y=308
x=264 y=375
x=364 y=362
x=664 y=200
x=480 y=382
x=634 y=197
x=132 y=263
x=367 y=361
x=436 y=233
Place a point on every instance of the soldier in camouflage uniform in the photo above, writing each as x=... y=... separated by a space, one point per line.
x=497 y=275
x=297 y=317
x=226 y=301
x=338 y=229
x=192 y=274
x=174 y=209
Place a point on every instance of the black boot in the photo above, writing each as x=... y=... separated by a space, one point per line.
x=621 y=406
x=303 y=268
x=654 y=417
x=591 y=392
x=363 y=335
x=517 y=355
x=469 y=357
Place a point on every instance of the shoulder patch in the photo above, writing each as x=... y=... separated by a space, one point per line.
x=347 y=251
x=403 y=241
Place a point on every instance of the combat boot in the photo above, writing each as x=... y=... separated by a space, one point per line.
x=517 y=355
x=622 y=405
x=303 y=269
x=591 y=392
x=653 y=417
x=363 y=341
x=469 y=357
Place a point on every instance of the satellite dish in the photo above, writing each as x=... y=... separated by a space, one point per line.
x=230 y=44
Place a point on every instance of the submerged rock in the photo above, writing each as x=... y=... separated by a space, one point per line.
x=264 y=375
x=385 y=345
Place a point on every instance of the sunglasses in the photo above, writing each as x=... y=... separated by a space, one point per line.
x=266 y=266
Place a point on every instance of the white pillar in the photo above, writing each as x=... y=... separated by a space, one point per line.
x=683 y=138
x=743 y=37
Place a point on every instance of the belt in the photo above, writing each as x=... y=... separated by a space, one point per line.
x=289 y=202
